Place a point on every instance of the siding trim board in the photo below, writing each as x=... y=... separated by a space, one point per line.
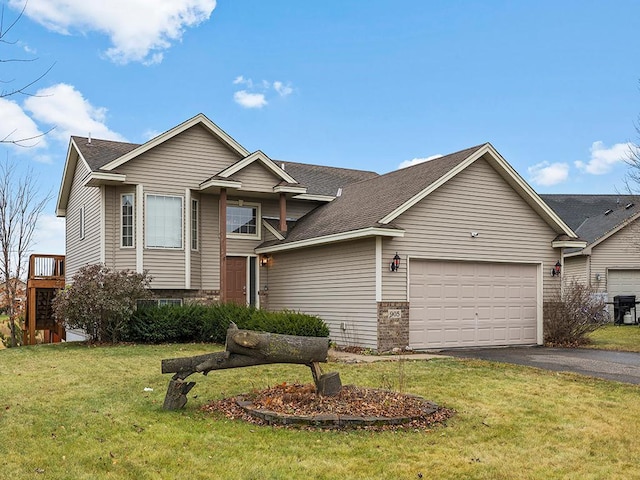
x=139 y=222
x=199 y=119
x=262 y=158
x=186 y=215
x=334 y=238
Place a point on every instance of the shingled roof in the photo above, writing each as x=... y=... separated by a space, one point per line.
x=98 y=153
x=322 y=180
x=319 y=179
x=575 y=209
x=363 y=204
x=593 y=216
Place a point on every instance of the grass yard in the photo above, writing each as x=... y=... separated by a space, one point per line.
x=616 y=337
x=69 y=411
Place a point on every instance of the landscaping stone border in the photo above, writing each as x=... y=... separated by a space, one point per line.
x=332 y=420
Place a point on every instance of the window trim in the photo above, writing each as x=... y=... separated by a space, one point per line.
x=246 y=236
x=133 y=220
x=195 y=224
x=82 y=223
x=146 y=223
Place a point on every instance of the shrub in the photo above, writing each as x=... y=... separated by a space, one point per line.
x=199 y=323
x=573 y=313
x=101 y=300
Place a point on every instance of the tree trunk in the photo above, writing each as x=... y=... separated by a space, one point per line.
x=183 y=367
x=246 y=348
x=276 y=348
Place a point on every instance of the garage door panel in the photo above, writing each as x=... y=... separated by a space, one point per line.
x=623 y=282
x=467 y=304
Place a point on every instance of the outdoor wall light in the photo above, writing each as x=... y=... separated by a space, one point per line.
x=598 y=277
x=395 y=263
x=264 y=260
x=556 y=270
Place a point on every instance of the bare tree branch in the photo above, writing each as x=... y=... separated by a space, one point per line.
x=22 y=89
x=21 y=205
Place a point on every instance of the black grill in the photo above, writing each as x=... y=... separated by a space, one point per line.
x=621 y=305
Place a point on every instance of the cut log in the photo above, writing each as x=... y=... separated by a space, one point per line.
x=246 y=348
x=277 y=348
x=176 y=396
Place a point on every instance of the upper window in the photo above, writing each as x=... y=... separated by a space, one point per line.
x=242 y=220
x=127 y=220
x=163 y=221
x=194 y=224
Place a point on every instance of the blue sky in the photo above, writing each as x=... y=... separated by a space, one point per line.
x=370 y=85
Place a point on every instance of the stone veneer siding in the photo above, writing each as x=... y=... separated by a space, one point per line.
x=189 y=296
x=393 y=331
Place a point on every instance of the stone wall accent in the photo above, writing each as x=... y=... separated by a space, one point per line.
x=189 y=296
x=393 y=325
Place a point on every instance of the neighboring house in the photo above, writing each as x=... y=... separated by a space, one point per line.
x=610 y=262
x=20 y=288
x=211 y=221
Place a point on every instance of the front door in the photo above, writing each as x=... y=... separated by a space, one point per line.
x=236 y=288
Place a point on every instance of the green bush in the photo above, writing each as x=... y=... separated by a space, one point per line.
x=199 y=323
x=100 y=301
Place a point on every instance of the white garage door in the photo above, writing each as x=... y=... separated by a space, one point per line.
x=623 y=282
x=468 y=304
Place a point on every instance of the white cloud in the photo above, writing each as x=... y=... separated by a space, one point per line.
x=48 y=236
x=604 y=159
x=254 y=94
x=150 y=133
x=64 y=107
x=139 y=30
x=16 y=125
x=249 y=100
x=416 y=161
x=239 y=80
x=282 y=89
x=547 y=174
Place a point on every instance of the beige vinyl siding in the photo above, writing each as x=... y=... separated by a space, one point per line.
x=209 y=242
x=575 y=268
x=256 y=178
x=620 y=251
x=86 y=251
x=116 y=256
x=476 y=200
x=196 y=255
x=268 y=208
x=338 y=285
x=296 y=209
x=182 y=162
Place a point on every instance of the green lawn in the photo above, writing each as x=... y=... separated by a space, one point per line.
x=75 y=412
x=616 y=337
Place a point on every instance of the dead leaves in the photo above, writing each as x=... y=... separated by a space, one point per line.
x=352 y=401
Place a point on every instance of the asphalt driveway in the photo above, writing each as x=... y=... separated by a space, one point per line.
x=619 y=366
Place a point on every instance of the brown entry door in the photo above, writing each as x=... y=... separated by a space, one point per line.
x=236 y=289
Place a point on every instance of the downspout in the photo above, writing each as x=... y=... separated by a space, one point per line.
x=222 y=203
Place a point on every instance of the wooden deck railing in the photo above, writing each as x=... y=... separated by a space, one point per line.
x=45 y=276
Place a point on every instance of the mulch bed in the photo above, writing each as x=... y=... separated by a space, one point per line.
x=298 y=406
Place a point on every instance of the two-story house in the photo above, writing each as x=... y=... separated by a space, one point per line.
x=457 y=251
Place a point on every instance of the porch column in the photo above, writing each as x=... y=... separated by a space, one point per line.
x=283 y=212
x=223 y=243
